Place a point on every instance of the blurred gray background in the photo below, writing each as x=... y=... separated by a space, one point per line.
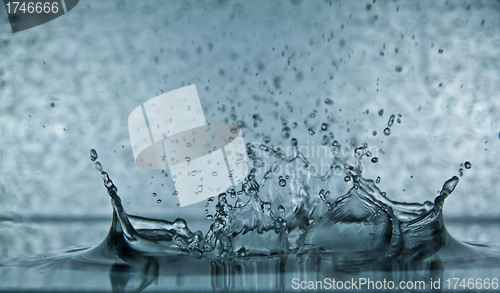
x=69 y=85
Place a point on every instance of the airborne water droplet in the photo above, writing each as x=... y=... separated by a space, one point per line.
x=281 y=208
x=324 y=126
x=378 y=179
x=93 y=155
x=391 y=120
x=209 y=217
x=467 y=165
x=374 y=160
x=282 y=181
x=311 y=131
x=347 y=178
x=285 y=132
x=98 y=166
x=374 y=133
x=154 y=194
x=325 y=140
x=214 y=173
x=387 y=131
x=158 y=201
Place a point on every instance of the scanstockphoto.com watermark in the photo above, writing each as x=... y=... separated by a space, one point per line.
x=319 y=159
x=384 y=285
x=363 y=284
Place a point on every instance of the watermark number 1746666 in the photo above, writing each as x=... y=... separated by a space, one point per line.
x=32 y=7
x=26 y=14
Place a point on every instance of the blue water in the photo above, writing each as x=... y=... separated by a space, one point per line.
x=289 y=73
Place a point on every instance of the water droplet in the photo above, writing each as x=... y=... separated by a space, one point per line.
x=467 y=165
x=324 y=126
x=440 y=51
x=200 y=188
x=461 y=171
x=378 y=179
x=387 y=131
x=193 y=173
x=158 y=201
x=98 y=166
x=210 y=217
x=188 y=145
x=285 y=132
x=381 y=112
x=374 y=160
x=188 y=159
x=325 y=140
x=328 y=101
x=267 y=139
x=347 y=178
x=311 y=131
x=281 y=208
x=154 y=194
x=282 y=181
x=93 y=155
x=294 y=142
x=206 y=211
x=391 y=120
x=214 y=173
x=324 y=195
x=374 y=133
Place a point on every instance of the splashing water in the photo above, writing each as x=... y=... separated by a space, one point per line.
x=277 y=216
x=285 y=220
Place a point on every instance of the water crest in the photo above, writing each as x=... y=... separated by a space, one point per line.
x=291 y=209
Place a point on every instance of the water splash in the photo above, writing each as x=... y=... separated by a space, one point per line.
x=292 y=210
x=286 y=220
